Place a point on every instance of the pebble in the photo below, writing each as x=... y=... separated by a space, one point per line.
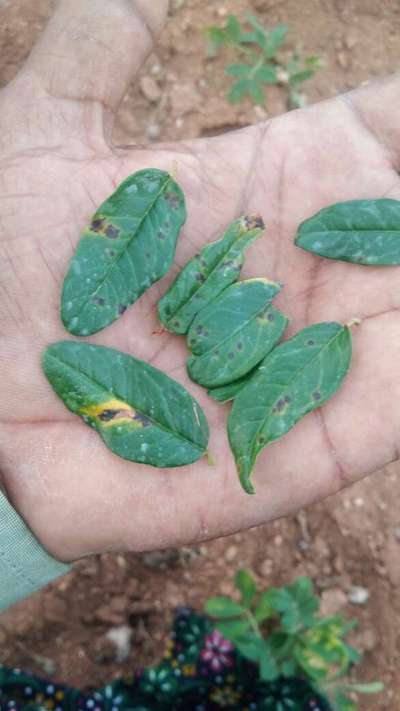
x=153 y=131
x=150 y=89
x=120 y=637
x=358 y=595
x=231 y=553
x=278 y=540
x=265 y=568
x=397 y=533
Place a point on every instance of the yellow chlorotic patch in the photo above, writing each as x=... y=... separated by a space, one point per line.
x=115 y=412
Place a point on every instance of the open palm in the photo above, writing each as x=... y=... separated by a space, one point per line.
x=56 y=167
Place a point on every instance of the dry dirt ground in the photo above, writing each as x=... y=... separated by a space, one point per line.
x=353 y=539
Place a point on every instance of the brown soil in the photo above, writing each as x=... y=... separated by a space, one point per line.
x=351 y=539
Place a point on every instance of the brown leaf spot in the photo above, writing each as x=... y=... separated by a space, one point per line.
x=97 y=224
x=121 y=309
x=254 y=221
x=310 y=342
x=108 y=415
x=172 y=200
x=316 y=395
x=231 y=356
x=112 y=232
x=98 y=300
x=239 y=346
x=142 y=419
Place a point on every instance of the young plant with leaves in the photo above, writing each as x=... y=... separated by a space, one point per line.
x=279 y=630
x=259 y=64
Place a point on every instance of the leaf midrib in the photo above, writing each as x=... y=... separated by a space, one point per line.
x=100 y=385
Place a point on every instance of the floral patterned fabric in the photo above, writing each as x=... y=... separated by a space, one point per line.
x=200 y=671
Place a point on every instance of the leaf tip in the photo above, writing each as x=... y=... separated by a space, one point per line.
x=253 y=222
x=354 y=322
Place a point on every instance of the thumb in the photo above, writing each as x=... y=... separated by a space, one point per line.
x=91 y=49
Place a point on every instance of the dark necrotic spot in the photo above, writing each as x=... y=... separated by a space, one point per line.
x=260 y=439
x=121 y=309
x=316 y=395
x=172 y=200
x=147 y=255
x=239 y=346
x=144 y=421
x=254 y=221
x=280 y=405
x=310 y=342
x=176 y=323
x=97 y=224
x=203 y=262
x=98 y=300
x=287 y=399
x=108 y=415
x=271 y=317
x=112 y=232
x=231 y=356
x=161 y=235
x=200 y=278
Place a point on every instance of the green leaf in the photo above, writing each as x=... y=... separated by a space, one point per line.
x=256 y=92
x=140 y=413
x=265 y=609
x=238 y=70
x=267 y=74
x=128 y=245
x=234 y=629
x=234 y=332
x=222 y=606
x=216 y=35
x=233 y=29
x=301 y=76
x=205 y=276
x=246 y=585
x=268 y=667
x=251 y=647
x=238 y=91
x=276 y=38
x=359 y=231
x=295 y=378
x=227 y=392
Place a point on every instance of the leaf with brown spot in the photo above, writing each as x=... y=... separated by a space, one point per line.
x=207 y=274
x=140 y=413
x=120 y=254
x=284 y=389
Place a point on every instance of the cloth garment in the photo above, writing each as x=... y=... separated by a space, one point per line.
x=24 y=565
x=200 y=671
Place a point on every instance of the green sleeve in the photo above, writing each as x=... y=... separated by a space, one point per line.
x=24 y=565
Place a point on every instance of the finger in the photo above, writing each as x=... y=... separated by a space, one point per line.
x=376 y=105
x=91 y=49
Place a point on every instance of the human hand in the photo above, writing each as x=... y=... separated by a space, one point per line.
x=56 y=166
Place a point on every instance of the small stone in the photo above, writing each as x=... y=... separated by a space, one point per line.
x=397 y=533
x=153 y=131
x=358 y=595
x=150 y=89
x=185 y=99
x=119 y=603
x=265 y=568
x=278 y=540
x=359 y=502
x=231 y=553
x=332 y=601
x=120 y=637
x=107 y=615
